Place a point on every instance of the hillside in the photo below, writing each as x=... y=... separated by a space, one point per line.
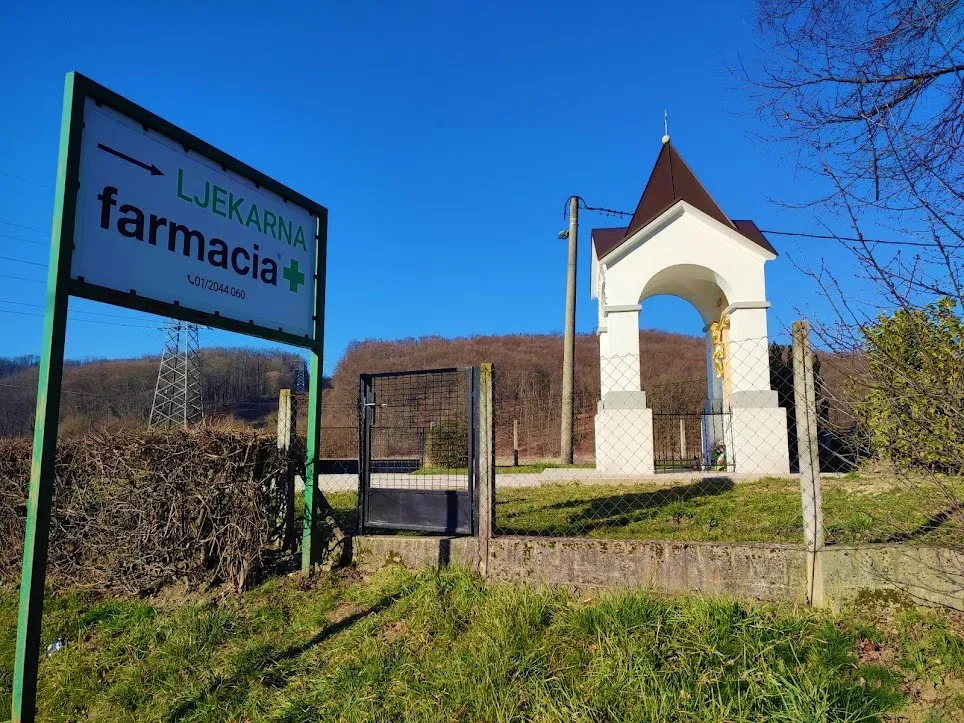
x=243 y=384
x=528 y=379
x=237 y=383
x=12 y=365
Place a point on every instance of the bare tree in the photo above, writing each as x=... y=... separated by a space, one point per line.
x=870 y=96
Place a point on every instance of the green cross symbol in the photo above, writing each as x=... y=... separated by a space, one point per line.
x=293 y=275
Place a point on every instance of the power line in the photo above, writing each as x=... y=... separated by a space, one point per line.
x=22 y=278
x=597 y=209
x=21 y=238
x=606 y=211
x=74 y=318
x=20 y=225
x=22 y=261
x=26 y=180
x=65 y=391
x=829 y=237
x=78 y=311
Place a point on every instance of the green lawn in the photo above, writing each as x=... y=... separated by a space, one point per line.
x=444 y=647
x=534 y=468
x=856 y=509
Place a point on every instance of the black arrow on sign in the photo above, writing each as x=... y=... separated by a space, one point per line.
x=155 y=171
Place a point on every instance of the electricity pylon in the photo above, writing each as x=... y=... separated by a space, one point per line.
x=177 y=395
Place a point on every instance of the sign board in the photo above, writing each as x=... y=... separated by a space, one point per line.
x=149 y=217
x=157 y=219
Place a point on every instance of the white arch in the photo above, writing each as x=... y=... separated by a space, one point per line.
x=686 y=253
x=706 y=290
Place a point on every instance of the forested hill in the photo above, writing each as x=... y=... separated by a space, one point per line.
x=237 y=383
x=527 y=365
x=14 y=364
x=243 y=384
x=528 y=380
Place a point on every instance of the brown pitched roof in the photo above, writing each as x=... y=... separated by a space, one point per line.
x=752 y=232
x=606 y=239
x=672 y=181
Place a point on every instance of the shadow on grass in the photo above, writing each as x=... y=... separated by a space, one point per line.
x=346 y=519
x=874 y=527
x=270 y=660
x=594 y=513
x=930 y=525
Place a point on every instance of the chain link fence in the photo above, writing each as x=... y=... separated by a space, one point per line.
x=900 y=472
x=762 y=447
x=765 y=448
x=704 y=458
x=338 y=468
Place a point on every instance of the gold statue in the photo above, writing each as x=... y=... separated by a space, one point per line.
x=719 y=348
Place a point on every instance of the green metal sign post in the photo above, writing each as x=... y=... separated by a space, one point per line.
x=315 y=504
x=64 y=281
x=46 y=423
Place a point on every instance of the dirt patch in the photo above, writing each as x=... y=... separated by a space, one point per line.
x=928 y=701
x=878 y=653
x=342 y=611
x=865 y=485
x=393 y=631
x=181 y=593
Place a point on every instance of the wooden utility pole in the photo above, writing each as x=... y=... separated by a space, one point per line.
x=515 y=442
x=569 y=340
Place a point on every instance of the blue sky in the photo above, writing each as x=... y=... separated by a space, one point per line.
x=443 y=137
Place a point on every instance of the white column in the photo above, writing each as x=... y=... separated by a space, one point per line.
x=714 y=384
x=603 y=334
x=619 y=365
x=757 y=440
x=624 y=426
x=749 y=358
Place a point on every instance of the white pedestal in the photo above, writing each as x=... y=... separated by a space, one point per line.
x=624 y=441
x=759 y=440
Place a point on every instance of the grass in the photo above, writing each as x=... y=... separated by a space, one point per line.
x=443 y=647
x=857 y=509
x=534 y=468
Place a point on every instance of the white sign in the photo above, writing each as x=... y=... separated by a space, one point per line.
x=171 y=225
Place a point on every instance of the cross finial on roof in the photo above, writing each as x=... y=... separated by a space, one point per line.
x=665 y=127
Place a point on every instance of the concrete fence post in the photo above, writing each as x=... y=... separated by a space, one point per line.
x=285 y=427
x=486 y=481
x=811 y=496
x=286 y=435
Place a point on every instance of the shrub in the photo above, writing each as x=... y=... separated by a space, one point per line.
x=447 y=445
x=136 y=510
x=913 y=410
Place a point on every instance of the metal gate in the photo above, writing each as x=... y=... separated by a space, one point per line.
x=684 y=442
x=418 y=451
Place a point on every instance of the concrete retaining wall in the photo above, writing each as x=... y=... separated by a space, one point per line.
x=763 y=572
x=773 y=572
x=928 y=574
x=371 y=552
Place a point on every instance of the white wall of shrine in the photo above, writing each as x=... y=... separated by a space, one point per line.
x=686 y=253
